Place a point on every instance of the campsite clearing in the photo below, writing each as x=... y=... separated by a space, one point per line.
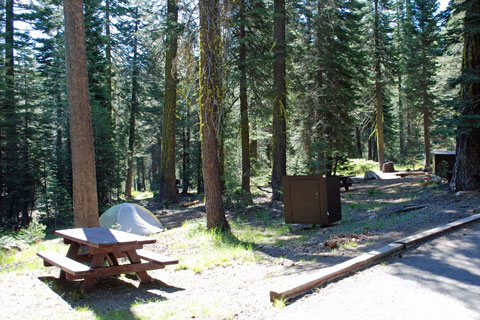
x=230 y=276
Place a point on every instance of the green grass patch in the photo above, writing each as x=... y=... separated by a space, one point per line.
x=348 y=244
x=181 y=310
x=116 y=315
x=363 y=206
x=208 y=249
x=26 y=260
x=280 y=303
x=410 y=165
x=201 y=249
x=259 y=235
x=142 y=195
x=357 y=167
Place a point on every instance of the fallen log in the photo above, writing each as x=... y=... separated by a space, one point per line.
x=408 y=209
x=191 y=203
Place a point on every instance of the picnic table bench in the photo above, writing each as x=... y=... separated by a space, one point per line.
x=410 y=173
x=100 y=248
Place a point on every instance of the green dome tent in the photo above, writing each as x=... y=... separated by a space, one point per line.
x=131 y=217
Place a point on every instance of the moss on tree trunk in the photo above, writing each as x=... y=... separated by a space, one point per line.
x=210 y=100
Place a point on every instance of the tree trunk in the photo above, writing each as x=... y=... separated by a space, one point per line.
x=254 y=144
x=280 y=104
x=155 y=155
x=369 y=149
x=409 y=138
x=210 y=97
x=426 y=101
x=168 y=190
x=466 y=175
x=378 y=91
x=156 y=166
x=358 y=139
x=401 y=117
x=141 y=174
x=426 y=119
x=27 y=181
x=59 y=152
x=318 y=116
x=83 y=157
x=133 y=114
x=221 y=147
x=108 y=55
x=10 y=113
x=199 y=170
x=244 y=103
x=186 y=159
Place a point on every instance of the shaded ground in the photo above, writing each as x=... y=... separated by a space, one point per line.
x=372 y=216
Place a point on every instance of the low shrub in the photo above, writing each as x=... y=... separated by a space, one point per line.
x=34 y=233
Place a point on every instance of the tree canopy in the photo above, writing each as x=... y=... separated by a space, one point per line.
x=219 y=97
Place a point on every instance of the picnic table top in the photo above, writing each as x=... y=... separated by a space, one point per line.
x=100 y=237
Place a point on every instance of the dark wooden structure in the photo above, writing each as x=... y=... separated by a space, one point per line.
x=449 y=163
x=345 y=182
x=94 y=246
x=312 y=199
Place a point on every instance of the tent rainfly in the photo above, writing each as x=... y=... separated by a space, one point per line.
x=131 y=217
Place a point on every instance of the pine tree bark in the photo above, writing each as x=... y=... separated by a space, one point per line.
x=108 y=55
x=199 y=169
x=378 y=91
x=245 y=130
x=186 y=137
x=168 y=190
x=401 y=116
x=358 y=139
x=155 y=155
x=210 y=97
x=221 y=147
x=133 y=114
x=280 y=104
x=318 y=115
x=253 y=145
x=426 y=101
x=10 y=204
x=83 y=156
x=466 y=174
x=426 y=119
x=59 y=152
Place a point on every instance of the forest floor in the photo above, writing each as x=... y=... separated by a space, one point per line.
x=229 y=277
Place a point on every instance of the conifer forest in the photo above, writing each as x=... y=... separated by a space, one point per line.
x=221 y=97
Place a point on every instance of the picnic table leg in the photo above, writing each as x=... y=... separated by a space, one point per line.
x=112 y=259
x=96 y=262
x=72 y=254
x=141 y=275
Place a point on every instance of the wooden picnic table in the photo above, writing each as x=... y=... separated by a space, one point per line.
x=95 y=252
x=345 y=182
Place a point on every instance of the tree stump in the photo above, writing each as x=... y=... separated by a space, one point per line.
x=388 y=167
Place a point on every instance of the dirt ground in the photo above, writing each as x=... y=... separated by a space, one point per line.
x=374 y=213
